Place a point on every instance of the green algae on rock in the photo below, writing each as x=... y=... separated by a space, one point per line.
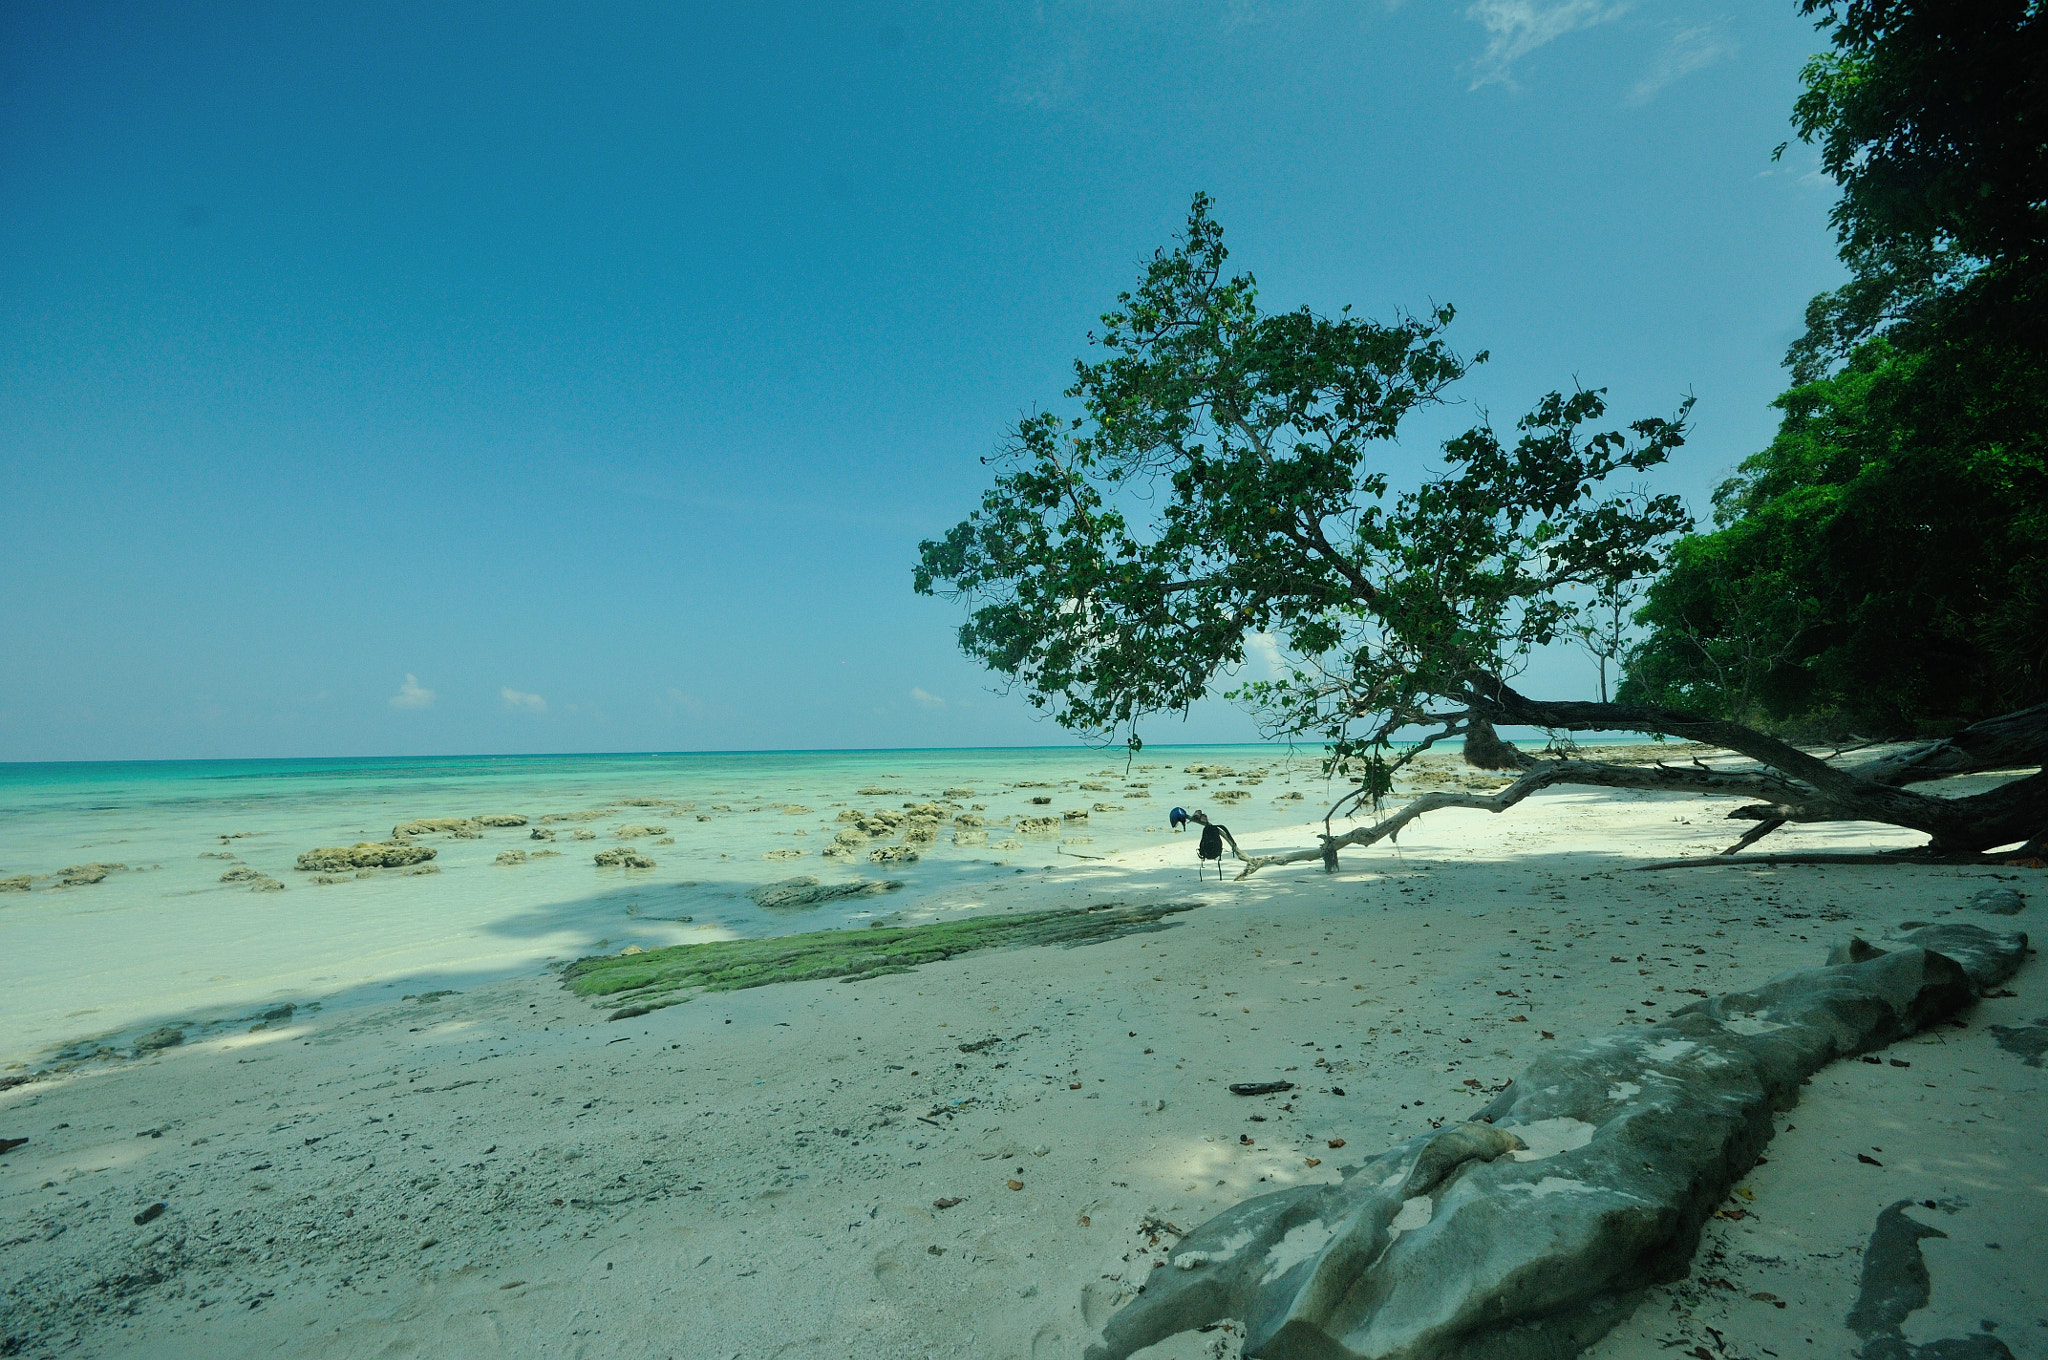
x=661 y=977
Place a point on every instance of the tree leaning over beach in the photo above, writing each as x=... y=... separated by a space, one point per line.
x=1224 y=474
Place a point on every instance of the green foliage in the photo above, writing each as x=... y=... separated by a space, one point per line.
x=1227 y=472
x=1932 y=116
x=663 y=977
x=1880 y=566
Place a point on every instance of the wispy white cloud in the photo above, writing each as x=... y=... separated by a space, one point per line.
x=1262 y=651
x=1687 y=51
x=689 y=703
x=924 y=698
x=1515 y=28
x=521 y=702
x=412 y=694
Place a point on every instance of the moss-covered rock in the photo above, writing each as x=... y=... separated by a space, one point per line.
x=663 y=977
x=619 y=857
x=500 y=819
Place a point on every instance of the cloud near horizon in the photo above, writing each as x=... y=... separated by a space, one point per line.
x=925 y=698
x=412 y=694
x=522 y=702
x=1515 y=28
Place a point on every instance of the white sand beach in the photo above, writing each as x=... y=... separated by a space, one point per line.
x=987 y=1155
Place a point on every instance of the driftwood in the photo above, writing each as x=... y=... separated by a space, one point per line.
x=1529 y=1231
x=1789 y=784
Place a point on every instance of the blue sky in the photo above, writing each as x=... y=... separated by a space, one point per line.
x=424 y=378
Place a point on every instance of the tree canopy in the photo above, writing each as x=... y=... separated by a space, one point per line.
x=1224 y=472
x=1879 y=568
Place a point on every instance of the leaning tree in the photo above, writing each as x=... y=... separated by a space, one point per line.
x=1221 y=473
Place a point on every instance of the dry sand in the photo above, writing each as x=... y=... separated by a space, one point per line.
x=501 y=1171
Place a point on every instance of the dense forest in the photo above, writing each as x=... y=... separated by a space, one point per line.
x=1881 y=569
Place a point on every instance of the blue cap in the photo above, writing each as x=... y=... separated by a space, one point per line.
x=1177 y=818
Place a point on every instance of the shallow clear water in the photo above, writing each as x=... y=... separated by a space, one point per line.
x=165 y=938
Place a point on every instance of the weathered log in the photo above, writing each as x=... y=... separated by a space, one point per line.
x=1532 y=1230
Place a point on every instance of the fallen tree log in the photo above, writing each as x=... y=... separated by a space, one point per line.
x=1531 y=1230
x=1794 y=786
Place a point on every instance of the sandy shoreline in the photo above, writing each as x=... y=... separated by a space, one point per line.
x=755 y=1173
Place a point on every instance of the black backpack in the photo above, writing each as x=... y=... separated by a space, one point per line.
x=1212 y=843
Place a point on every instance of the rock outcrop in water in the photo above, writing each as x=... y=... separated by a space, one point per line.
x=619 y=857
x=78 y=875
x=429 y=826
x=1461 y=1244
x=365 y=855
x=807 y=891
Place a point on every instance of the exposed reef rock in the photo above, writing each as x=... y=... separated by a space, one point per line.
x=893 y=854
x=78 y=875
x=1460 y=1244
x=807 y=891
x=162 y=1037
x=511 y=857
x=540 y=833
x=18 y=883
x=365 y=855
x=619 y=857
x=636 y=831
x=500 y=819
x=1038 y=826
x=553 y=817
x=257 y=880
x=429 y=826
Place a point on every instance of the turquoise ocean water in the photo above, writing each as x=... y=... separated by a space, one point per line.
x=164 y=938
